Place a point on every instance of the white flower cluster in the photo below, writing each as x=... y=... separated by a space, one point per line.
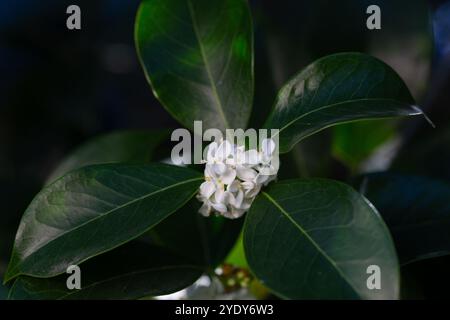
x=234 y=177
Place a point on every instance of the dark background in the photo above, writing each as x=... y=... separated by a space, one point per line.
x=60 y=87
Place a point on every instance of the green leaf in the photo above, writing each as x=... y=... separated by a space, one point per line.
x=353 y=143
x=185 y=232
x=337 y=89
x=204 y=241
x=237 y=254
x=134 y=146
x=198 y=57
x=416 y=210
x=132 y=271
x=93 y=210
x=315 y=239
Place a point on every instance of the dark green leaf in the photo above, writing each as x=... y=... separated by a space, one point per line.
x=315 y=239
x=292 y=40
x=198 y=57
x=336 y=89
x=132 y=271
x=124 y=146
x=93 y=210
x=416 y=210
x=186 y=231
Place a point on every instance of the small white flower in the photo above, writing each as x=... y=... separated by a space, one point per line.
x=251 y=189
x=225 y=176
x=265 y=156
x=218 y=154
x=234 y=177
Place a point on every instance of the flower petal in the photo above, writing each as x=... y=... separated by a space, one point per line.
x=246 y=174
x=247 y=204
x=212 y=148
x=261 y=178
x=219 y=168
x=238 y=199
x=251 y=189
x=220 y=207
x=237 y=213
x=205 y=209
x=267 y=170
x=219 y=195
x=224 y=151
x=207 y=189
x=234 y=186
x=228 y=176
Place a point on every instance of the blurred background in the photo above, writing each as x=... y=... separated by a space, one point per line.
x=60 y=88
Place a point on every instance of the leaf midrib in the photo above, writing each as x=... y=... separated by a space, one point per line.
x=110 y=211
x=340 y=103
x=314 y=243
x=132 y=273
x=64 y=294
x=207 y=66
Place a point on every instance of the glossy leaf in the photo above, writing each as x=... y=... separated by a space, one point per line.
x=93 y=210
x=130 y=272
x=315 y=239
x=133 y=146
x=198 y=57
x=336 y=89
x=296 y=38
x=416 y=210
x=186 y=231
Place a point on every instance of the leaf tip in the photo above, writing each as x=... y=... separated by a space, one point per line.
x=420 y=111
x=10 y=274
x=6 y=279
